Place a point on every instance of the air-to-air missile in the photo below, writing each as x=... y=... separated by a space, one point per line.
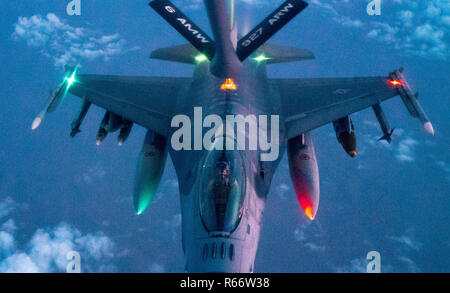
x=345 y=133
x=410 y=100
x=79 y=120
x=56 y=96
x=150 y=168
x=384 y=123
x=304 y=173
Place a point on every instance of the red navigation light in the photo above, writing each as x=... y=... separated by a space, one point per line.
x=228 y=85
x=395 y=82
x=306 y=206
x=309 y=212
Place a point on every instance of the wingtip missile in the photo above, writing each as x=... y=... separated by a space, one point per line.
x=56 y=96
x=36 y=122
x=411 y=100
x=429 y=127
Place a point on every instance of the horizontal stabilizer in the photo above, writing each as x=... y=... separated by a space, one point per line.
x=269 y=27
x=182 y=54
x=185 y=26
x=281 y=54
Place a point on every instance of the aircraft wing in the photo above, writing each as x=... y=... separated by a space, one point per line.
x=147 y=101
x=310 y=103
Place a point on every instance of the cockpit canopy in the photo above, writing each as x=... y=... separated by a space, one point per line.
x=222 y=190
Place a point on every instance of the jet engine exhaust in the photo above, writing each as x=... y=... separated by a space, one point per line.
x=304 y=173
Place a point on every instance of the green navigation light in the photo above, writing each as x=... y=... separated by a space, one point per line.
x=143 y=199
x=261 y=58
x=71 y=80
x=201 y=58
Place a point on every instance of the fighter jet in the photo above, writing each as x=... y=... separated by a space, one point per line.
x=223 y=185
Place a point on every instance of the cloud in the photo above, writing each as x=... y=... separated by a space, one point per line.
x=6 y=207
x=93 y=174
x=46 y=251
x=9 y=226
x=419 y=28
x=410 y=264
x=157 y=268
x=314 y=247
x=405 y=150
x=311 y=232
x=407 y=241
x=407 y=244
x=65 y=44
x=358 y=265
x=444 y=166
x=174 y=226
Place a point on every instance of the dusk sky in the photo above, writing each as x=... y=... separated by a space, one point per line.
x=59 y=194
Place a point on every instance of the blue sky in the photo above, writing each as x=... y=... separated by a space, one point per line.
x=58 y=194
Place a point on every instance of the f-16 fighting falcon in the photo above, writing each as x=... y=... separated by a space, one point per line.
x=227 y=127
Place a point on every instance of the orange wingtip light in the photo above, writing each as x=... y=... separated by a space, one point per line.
x=228 y=85
x=395 y=82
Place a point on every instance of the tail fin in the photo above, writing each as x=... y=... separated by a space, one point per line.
x=182 y=54
x=269 y=27
x=282 y=54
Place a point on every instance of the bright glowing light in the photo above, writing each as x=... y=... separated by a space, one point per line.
x=395 y=82
x=261 y=58
x=353 y=153
x=71 y=79
x=306 y=205
x=228 y=85
x=201 y=58
x=309 y=212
